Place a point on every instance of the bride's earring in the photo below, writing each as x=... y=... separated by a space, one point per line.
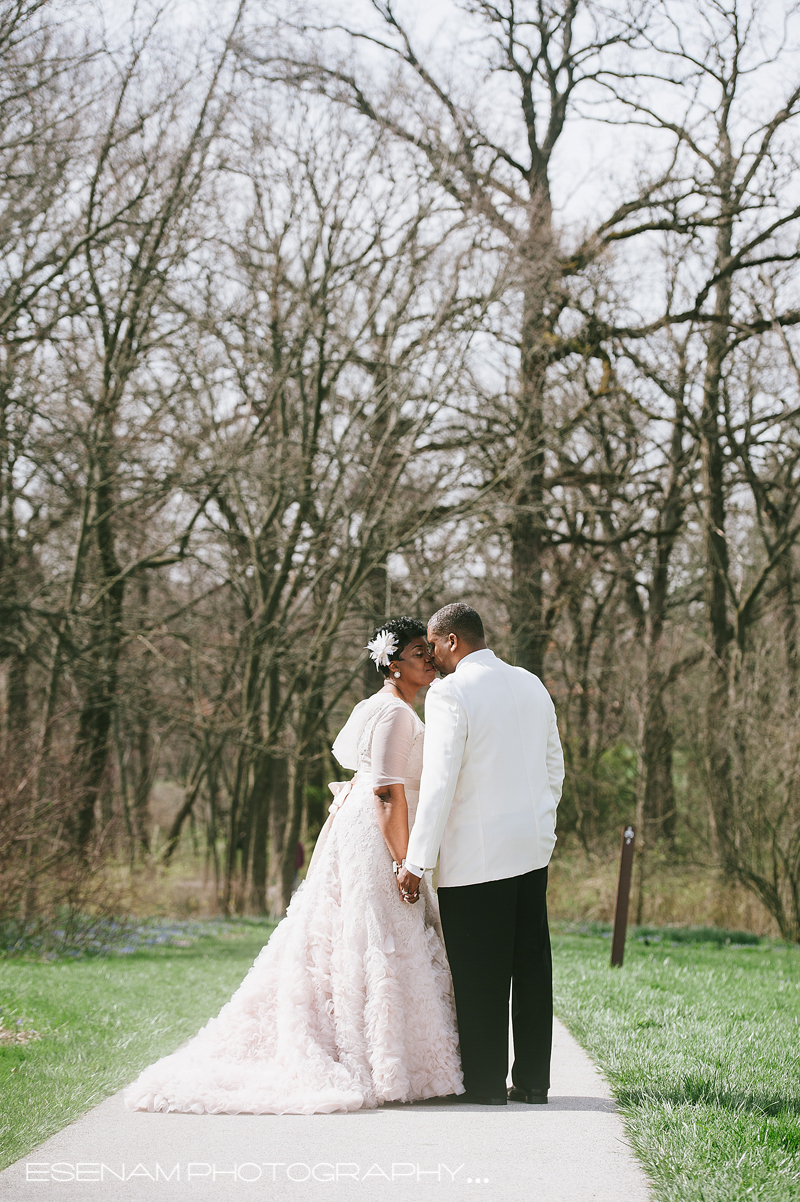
x=397 y=674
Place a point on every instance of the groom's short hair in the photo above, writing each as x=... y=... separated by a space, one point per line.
x=458 y=619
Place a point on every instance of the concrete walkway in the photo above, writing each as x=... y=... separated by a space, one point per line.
x=573 y=1150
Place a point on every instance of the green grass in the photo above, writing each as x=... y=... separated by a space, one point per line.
x=700 y=1041
x=701 y=1044
x=103 y=1019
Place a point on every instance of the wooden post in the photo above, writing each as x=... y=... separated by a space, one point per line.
x=623 y=892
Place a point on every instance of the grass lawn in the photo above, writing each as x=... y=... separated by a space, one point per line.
x=701 y=1045
x=101 y=1020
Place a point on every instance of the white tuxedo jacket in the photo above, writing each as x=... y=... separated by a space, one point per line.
x=492 y=774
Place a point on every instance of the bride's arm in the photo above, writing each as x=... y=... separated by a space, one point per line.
x=391 y=745
x=392 y=810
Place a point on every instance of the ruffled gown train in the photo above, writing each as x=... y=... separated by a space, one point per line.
x=350 y=1004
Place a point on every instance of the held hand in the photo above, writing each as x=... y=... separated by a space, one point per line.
x=408 y=884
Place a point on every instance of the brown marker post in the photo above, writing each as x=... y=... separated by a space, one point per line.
x=623 y=893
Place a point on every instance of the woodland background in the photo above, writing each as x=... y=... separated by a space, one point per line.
x=310 y=317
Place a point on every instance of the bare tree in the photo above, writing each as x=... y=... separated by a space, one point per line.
x=538 y=60
x=737 y=163
x=341 y=346
x=293 y=335
x=42 y=124
x=135 y=235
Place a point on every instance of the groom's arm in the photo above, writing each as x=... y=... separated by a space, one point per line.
x=555 y=758
x=445 y=739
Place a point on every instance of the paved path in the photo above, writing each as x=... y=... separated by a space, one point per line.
x=573 y=1150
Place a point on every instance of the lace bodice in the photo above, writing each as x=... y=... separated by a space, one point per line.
x=390 y=747
x=383 y=739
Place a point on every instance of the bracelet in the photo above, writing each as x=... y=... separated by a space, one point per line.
x=396 y=867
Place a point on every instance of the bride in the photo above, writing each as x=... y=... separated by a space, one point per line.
x=350 y=1004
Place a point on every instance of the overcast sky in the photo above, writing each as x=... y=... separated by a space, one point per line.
x=595 y=162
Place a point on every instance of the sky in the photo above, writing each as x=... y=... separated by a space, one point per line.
x=596 y=164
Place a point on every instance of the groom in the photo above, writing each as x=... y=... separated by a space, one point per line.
x=491 y=781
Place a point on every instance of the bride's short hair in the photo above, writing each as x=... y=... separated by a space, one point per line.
x=404 y=630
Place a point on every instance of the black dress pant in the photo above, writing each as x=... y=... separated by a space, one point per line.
x=497 y=939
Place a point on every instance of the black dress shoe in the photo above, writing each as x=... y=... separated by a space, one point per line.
x=476 y=1100
x=533 y=1097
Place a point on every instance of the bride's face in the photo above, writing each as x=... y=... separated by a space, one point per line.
x=415 y=664
x=442 y=649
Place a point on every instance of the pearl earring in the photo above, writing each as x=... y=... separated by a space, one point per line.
x=397 y=674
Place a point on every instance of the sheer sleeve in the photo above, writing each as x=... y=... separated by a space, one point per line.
x=345 y=746
x=391 y=745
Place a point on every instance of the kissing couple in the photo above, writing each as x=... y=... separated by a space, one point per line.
x=374 y=988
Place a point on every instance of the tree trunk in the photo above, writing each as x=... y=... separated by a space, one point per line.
x=146 y=764
x=720 y=631
x=528 y=525
x=239 y=818
x=292 y=834
x=377 y=593
x=17 y=698
x=657 y=817
x=789 y=623
x=146 y=756
x=279 y=823
x=658 y=793
x=91 y=748
x=271 y=781
x=203 y=764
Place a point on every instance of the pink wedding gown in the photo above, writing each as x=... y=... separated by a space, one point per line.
x=350 y=1004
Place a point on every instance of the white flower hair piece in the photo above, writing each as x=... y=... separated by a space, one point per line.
x=382 y=648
